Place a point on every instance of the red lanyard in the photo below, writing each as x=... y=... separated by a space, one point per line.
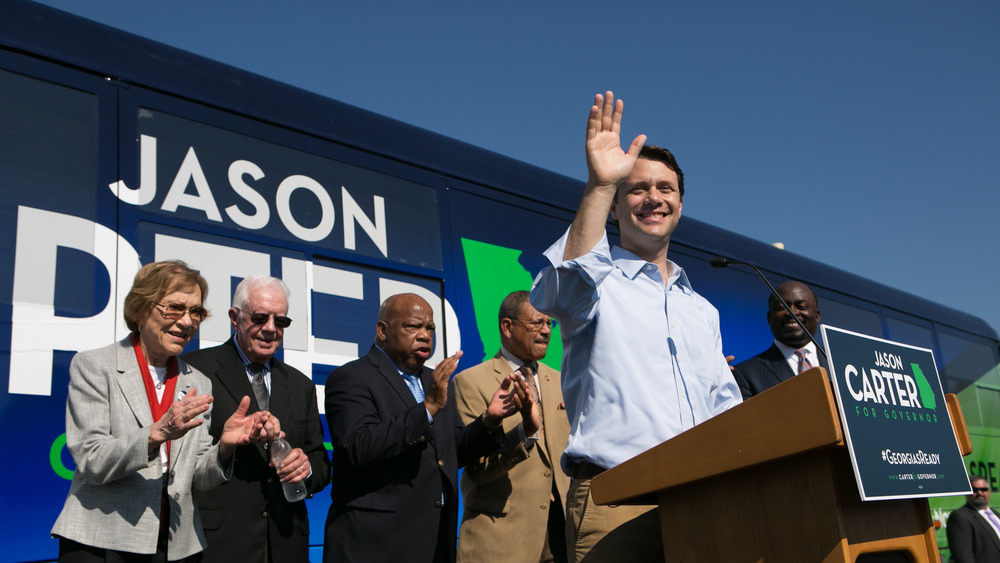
x=157 y=408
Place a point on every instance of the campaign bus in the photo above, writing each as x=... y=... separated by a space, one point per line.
x=116 y=151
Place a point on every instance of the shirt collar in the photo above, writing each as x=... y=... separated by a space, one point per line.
x=515 y=362
x=246 y=360
x=788 y=351
x=632 y=266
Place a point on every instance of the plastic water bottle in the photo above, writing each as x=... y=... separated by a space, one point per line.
x=280 y=449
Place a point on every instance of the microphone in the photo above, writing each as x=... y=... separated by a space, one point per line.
x=720 y=262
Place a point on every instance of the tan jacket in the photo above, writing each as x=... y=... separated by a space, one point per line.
x=507 y=493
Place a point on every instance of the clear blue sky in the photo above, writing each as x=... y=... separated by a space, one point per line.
x=861 y=134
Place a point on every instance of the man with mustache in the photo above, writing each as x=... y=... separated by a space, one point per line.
x=518 y=491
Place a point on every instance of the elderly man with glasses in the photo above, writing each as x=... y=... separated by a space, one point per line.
x=518 y=491
x=248 y=518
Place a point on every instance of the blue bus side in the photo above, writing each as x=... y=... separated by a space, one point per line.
x=345 y=205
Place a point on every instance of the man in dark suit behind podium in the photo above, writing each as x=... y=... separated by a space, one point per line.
x=793 y=351
x=248 y=519
x=974 y=529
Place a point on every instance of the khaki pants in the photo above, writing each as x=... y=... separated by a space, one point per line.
x=595 y=534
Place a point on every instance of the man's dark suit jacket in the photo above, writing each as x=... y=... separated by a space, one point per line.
x=970 y=538
x=765 y=370
x=390 y=466
x=240 y=515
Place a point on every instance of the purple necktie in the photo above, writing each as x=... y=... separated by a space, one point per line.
x=803 y=360
x=992 y=518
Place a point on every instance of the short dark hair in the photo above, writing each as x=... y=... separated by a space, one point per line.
x=511 y=305
x=774 y=304
x=973 y=478
x=660 y=154
x=152 y=282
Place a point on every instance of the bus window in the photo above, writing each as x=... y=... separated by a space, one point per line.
x=966 y=360
x=909 y=332
x=48 y=162
x=835 y=312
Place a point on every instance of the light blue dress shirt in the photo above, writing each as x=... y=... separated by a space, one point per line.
x=642 y=361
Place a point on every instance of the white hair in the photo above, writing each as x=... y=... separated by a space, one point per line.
x=241 y=297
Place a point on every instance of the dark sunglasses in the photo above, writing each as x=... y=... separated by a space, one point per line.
x=261 y=319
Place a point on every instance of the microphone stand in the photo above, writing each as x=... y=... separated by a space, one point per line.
x=719 y=262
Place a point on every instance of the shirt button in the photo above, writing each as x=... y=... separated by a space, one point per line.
x=437 y=504
x=543 y=506
x=441 y=462
x=177 y=496
x=263 y=514
x=547 y=474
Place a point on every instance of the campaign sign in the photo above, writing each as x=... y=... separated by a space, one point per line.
x=896 y=421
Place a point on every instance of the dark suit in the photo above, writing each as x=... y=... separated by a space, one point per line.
x=765 y=370
x=250 y=509
x=390 y=466
x=971 y=539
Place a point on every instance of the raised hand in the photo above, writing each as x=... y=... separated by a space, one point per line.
x=269 y=428
x=607 y=163
x=507 y=400
x=607 y=166
x=531 y=410
x=240 y=429
x=180 y=418
x=436 y=397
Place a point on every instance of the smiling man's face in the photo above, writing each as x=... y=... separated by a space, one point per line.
x=647 y=207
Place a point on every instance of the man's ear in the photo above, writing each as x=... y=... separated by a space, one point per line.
x=381 y=329
x=506 y=325
x=234 y=315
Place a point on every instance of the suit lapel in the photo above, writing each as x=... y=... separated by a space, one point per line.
x=987 y=528
x=822 y=362
x=777 y=366
x=280 y=395
x=231 y=375
x=501 y=368
x=130 y=382
x=387 y=369
x=550 y=404
x=184 y=383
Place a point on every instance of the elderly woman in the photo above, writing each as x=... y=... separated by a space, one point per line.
x=137 y=427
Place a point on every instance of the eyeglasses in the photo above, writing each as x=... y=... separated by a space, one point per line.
x=174 y=311
x=261 y=319
x=536 y=326
x=980 y=489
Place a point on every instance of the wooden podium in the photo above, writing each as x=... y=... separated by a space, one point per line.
x=771 y=480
